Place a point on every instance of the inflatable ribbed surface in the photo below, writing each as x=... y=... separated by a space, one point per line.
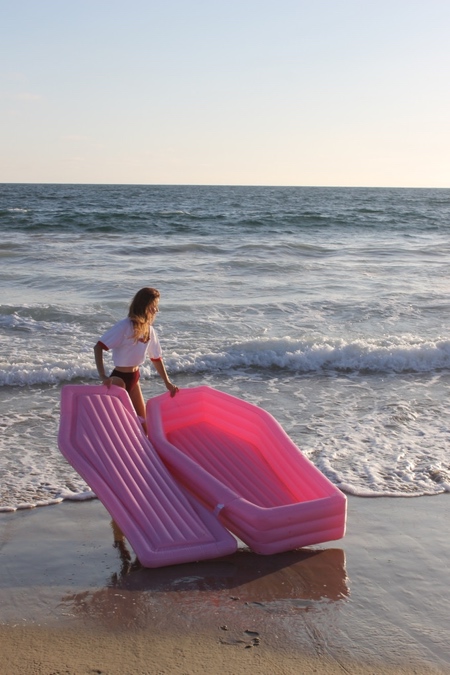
x=101 y=437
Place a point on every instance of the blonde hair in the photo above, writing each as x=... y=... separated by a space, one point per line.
x=141 y=312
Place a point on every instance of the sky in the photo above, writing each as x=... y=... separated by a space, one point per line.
x=225 y=92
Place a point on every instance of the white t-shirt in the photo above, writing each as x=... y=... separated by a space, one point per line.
x=126 y=352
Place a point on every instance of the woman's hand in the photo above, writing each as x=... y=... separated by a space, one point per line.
x=172 y=388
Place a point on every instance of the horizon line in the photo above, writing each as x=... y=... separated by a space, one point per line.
x=233 y=185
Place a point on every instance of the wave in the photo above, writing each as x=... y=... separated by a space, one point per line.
x=388 y=356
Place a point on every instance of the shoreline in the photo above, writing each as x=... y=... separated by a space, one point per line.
x=73 y=599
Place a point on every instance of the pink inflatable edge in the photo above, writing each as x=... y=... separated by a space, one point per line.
x=101 y=437
x=236 y=458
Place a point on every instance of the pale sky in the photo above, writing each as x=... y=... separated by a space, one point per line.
x=235 y=92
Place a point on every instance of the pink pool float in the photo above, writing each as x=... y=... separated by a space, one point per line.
x=237 y=459
x=102 y=438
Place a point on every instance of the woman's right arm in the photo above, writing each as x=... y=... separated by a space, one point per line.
x=98 y=353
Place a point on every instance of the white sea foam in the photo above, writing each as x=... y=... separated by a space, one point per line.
x=404 y=354
x=389 y=355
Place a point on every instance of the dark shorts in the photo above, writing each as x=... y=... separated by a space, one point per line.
x=130 y=379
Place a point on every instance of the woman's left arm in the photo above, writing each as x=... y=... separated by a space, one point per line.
x=161 y=370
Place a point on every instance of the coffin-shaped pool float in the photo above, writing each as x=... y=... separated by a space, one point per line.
x=237 y=459
x=101 y=437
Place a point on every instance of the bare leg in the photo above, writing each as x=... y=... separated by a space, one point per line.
x=118 y=381
x=138 y=402
x=120 y=544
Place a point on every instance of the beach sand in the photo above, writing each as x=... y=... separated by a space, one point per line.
x=73 y=601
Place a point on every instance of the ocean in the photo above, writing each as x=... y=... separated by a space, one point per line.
x=328 y=307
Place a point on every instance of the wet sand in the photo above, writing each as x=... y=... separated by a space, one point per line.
x=73 y=600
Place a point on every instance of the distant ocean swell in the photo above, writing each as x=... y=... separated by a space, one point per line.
x=390 y=355
x=178 y=223
x=295 y=214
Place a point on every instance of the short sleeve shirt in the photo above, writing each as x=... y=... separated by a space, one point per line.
x=125 y=351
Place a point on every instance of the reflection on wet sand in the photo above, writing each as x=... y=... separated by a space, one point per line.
x=282 y=582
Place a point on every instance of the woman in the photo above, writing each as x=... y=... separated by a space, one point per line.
x=131 y=339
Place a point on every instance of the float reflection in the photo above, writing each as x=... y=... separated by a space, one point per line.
x=295 y=580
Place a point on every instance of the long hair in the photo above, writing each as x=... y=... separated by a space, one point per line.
x=141 y=313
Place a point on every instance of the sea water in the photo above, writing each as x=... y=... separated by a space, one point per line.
x=328 y=307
